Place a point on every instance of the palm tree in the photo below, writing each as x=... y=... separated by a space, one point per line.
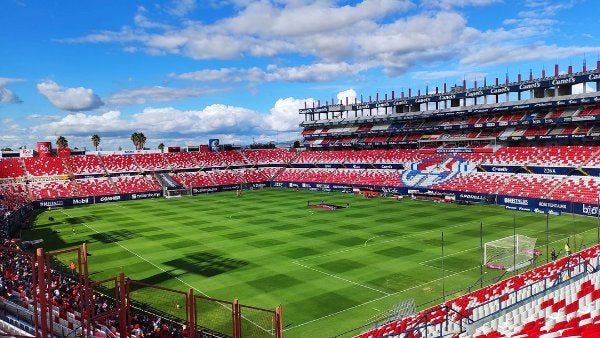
x=96 y=141
x=135 y=138
x=139 y=140
x=62 y=142
x=161 y=146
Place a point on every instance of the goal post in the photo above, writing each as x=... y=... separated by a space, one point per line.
x=170 y=193
x=509 y=253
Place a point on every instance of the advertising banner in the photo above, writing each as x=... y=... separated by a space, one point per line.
x=44 y=149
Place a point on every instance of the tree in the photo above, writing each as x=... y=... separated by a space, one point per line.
x=296 y=144
x=161 y=146
x=61 y=142
x=139 y=140
x=6 y=149
x=95 y=141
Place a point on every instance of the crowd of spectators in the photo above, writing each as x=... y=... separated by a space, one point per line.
x=64 y=294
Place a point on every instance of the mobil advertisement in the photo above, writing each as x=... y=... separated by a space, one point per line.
x=70 y=202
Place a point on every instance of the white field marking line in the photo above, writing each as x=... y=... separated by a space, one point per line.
x=377 y=299
x=165 y=271
x=367 y=241
x=450 y=255
x=378 y=243
x=340 y=278
x=140 y=257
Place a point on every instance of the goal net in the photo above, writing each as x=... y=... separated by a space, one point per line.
x=509 y=253
x=170 y=193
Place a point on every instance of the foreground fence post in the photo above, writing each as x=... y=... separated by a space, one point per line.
x=237 y=319
x=278 y=322
x=191 y=314
x=123 y=306
x=41 y=267
x=88 y=299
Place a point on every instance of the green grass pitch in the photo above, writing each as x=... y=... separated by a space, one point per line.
x=331 y=270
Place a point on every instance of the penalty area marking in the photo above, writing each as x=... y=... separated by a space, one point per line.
x=340 y=278
x=377 y=299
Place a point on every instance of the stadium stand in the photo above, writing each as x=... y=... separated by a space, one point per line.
x=85 y=164
x=119 y=164
x=551 y=299
x=268 y=156
x=11 y=167
x=150 y=162
x=136 y=183
x=97 y=186
x=180 y=160
x=45 y=166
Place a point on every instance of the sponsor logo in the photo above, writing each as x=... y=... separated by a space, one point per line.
x=51 y=203
x=524 y=209
x=530 y=85
x=355 y=166
x=363 y=106
x=549 y=171
x=543 y=104
x=145 y=195
x=423 y=100
x=553 y=205
x=340 y=187
x=77 y=201
x=518 y=201
x=390 y=190
x=110 y=198
x=499 y=90
x=539 y=211
x=320 y=109
x=500 y=169
x=386 y=166
x=590 y=210
x=448 y=97
x=471 y=197
x=472 y=94
x=554 y=212
x=563 y=81
x=258 y=185
x=402 y=102
x=200 y=190
x=325 y=186
x=279 y=184
x=594 y=77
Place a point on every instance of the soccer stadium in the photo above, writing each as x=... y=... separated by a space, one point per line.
x=463 y=212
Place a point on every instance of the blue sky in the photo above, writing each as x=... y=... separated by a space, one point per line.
x=185 y=71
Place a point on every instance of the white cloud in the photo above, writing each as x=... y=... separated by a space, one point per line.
x=339 y=40
x=284 y=115
x=499 y=54
x=172 y=123
x=181 y=7
x=6 y=95
x=70 y=99
x=317 y=72
x=350 y=94
x=157 y=94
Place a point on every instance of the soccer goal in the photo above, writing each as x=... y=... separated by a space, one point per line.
x=170 y=193
x=509 y=253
